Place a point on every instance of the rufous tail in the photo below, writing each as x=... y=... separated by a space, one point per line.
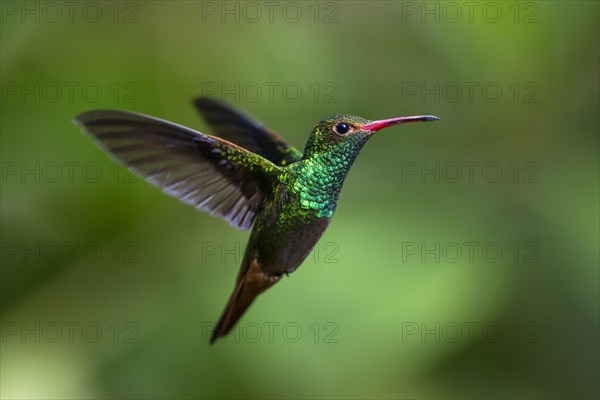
x=247 y=287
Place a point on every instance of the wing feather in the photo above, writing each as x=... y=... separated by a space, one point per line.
x=206 y=172
x=238 y=127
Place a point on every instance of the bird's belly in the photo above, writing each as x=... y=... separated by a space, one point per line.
x=281 y=247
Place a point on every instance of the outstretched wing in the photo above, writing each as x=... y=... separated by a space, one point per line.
x=204 y=171
x=238 y=127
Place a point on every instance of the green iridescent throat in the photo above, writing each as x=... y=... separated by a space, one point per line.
x=318 y=178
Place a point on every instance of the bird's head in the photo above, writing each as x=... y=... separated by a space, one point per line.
x=344 y=133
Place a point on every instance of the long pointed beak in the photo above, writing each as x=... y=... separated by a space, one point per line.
x=384 y=123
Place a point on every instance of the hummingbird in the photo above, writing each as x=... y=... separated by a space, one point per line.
x=247 y=175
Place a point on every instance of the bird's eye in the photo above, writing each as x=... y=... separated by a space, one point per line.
x=341 y=128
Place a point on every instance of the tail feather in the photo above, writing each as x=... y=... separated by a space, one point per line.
x=248 y=286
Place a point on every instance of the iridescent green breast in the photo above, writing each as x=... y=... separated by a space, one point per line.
x=318 y=179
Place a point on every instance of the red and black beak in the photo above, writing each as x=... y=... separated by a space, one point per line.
x=384 y=123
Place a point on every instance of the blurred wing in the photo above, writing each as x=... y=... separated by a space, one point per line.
x=238 y=127
x=201 y=170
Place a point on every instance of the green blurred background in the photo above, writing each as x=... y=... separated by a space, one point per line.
x=109 y=287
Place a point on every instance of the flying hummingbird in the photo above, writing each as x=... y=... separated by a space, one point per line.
x=248 y=175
